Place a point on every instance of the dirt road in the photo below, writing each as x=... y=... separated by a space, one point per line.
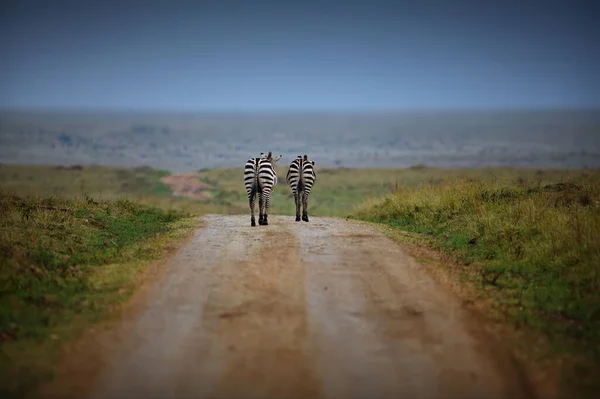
x=329 y=309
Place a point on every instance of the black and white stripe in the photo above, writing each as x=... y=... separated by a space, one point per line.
x=301 y=177
x=260 y=178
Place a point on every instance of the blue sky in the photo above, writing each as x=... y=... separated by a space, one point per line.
x=268 y=55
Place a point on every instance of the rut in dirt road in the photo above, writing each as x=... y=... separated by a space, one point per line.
x=328 y=309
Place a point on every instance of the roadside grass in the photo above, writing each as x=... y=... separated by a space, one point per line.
x=533 y=249
x=339 y=190
x=141 y=184
x=66 y=263
x=336 y=193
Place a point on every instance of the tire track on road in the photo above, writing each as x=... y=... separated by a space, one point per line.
x=384 y=328
x=171 y=332
x=260 y=336
x=326 y=309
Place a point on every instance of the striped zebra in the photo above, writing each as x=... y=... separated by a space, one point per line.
x=260 y=178
x=301 y=177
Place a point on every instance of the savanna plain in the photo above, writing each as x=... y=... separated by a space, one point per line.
x=502 y=210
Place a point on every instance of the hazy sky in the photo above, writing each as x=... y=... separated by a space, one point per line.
x=299 y=54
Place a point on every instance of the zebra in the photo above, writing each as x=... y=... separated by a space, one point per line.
x=301 y=177
x=259 y=178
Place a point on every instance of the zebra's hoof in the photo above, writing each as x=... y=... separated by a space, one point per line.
x=305 y=218
x=297 y=218
x=252 y=223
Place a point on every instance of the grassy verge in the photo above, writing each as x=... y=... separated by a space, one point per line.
x=339 y=190
x=140 y=184
x=65 y=263
x=532 y=249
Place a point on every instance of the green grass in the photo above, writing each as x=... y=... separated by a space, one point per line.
x=64 y=263
x=534 y=246
x=338 y=191
x=140 y=184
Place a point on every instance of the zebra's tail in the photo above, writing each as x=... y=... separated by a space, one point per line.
x=256 y=180
x=300 y=184
x=301 y=174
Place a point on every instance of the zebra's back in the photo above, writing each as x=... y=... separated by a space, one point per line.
x=267 y=176
x=259 y=174
x=251 y=175
x=301 y=175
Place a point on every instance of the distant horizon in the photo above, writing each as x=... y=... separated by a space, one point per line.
x=365 y=110
x=188 y=140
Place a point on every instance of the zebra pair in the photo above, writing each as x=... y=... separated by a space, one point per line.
x=260 y=178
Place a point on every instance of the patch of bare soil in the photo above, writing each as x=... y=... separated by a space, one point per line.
x=326 y=309
x=186 y=185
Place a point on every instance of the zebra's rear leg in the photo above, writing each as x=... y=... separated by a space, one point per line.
x=266 y=203
x=260 y=209
x=251 y=203
x=305 y=207
x=297 y=201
